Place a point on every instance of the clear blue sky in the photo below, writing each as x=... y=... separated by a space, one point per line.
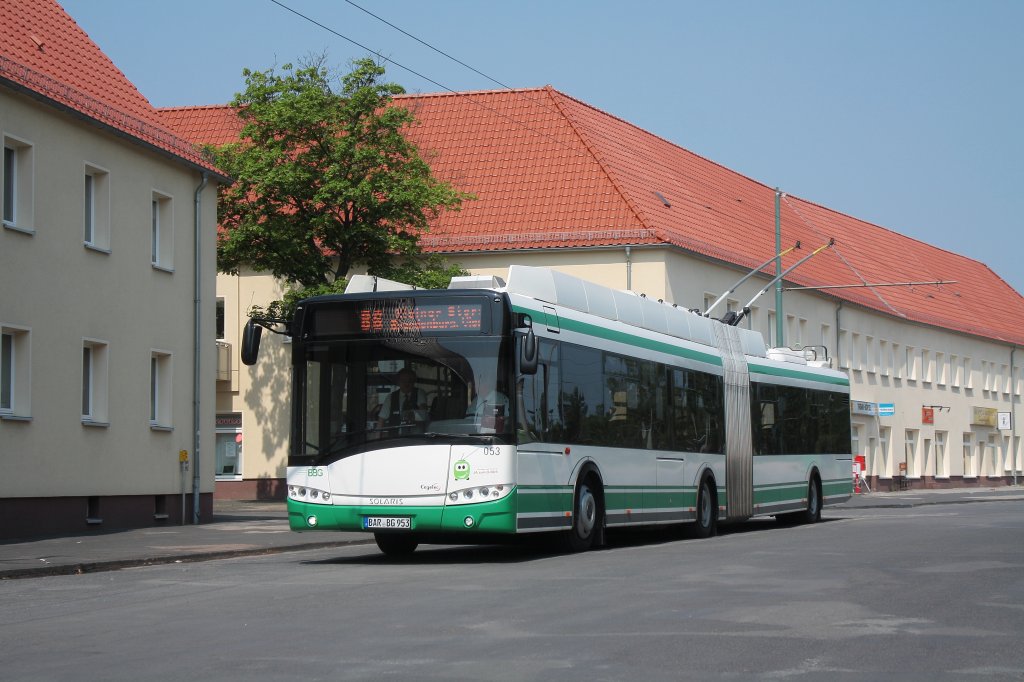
x=904 y=113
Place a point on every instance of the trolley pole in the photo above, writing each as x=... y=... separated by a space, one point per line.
x=779 y=326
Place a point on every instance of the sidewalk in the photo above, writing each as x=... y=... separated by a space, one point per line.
x=239 y=528
x=242 y=528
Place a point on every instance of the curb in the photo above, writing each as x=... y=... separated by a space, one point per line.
x=118 y=564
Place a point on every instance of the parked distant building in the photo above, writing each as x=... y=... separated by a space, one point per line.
x=564 y=185
x=107 y=242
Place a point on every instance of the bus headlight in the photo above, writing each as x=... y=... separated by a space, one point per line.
x=303 y=494
x=486 y=493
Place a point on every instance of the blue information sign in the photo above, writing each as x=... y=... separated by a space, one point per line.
x=886 y=409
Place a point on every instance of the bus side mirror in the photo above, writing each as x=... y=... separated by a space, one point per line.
x=251 y=334
x=528 y=353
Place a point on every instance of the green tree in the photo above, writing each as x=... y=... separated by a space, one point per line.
x=326 y=180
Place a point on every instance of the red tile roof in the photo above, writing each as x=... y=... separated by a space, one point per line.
x=45 y=54
x=552 y=171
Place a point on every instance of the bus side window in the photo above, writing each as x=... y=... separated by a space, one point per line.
x=539 y=417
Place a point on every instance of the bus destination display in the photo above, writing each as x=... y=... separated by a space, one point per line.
x=404 y=316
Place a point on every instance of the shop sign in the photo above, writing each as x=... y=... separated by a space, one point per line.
x=1005 y=420
x=229 y=421
x=886 y=409
x=927 y=415
x=861 y=407
x=983 y=416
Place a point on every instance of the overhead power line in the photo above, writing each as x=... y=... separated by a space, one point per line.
x=607 y=139
x=425 y=43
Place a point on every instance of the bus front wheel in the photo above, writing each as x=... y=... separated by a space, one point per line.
x=587 y=516
x=396 y=544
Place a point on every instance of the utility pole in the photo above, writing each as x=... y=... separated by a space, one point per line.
x=778 y=271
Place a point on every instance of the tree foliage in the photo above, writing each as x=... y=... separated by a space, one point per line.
x=325 y=181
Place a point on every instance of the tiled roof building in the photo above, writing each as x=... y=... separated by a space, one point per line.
x=562 y=184
x=102 y=282
x=551 y=171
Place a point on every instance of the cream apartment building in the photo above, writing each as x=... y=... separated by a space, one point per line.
x=936 y=383
x=107 y=260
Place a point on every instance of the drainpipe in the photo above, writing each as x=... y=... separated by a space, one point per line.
x=629 y=269
x=197 y=350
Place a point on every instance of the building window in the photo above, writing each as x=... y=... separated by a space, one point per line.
x=229 y=445
x=968 y=374
x=96 y=209
x=910 y=454
x=94 y=382
x=162 y=231
x=87 y=398
x=90 y=211
x=882 y=467
x=160 y=389
x=14 y=372
x=941 y=463
x=220 y=319
x=17 y=185
x=10 y=185
x=969 y=466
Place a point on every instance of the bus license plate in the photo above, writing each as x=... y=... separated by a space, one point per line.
x=387 y=522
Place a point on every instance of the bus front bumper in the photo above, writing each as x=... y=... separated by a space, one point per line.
x=498 y=516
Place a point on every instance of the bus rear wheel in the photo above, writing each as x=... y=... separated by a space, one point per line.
x=707 y=511
x=587 y=516
x=812 y=512
x=396 y=544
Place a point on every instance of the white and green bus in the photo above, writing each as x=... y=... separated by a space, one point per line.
x=548 y=405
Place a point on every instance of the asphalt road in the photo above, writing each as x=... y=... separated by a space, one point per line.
x=933 y=593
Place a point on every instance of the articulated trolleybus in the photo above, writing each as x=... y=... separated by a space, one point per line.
x=550 y=404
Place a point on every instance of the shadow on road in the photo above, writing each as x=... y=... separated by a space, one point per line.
x=526 y=548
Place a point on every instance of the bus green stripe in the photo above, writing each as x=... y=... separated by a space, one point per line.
x=588 y=329
x=796 y=374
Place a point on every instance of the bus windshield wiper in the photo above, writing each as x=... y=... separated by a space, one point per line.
x=478 y=436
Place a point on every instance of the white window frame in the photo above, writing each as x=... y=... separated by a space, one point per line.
x=941 y=460
x=911 y=453
x=970 y=466
x=18 y=186
x=161 y=217
x=160 y=390
x=15 y=372
x=96 y=208
x=95 y=382
x=884 y=468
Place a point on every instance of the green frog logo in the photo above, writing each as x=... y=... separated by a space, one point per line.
x=461 y=470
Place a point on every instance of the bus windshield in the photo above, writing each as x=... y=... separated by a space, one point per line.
x=364 y=394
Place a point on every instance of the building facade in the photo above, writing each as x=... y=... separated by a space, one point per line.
x=936 y=383
x=107 y=258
